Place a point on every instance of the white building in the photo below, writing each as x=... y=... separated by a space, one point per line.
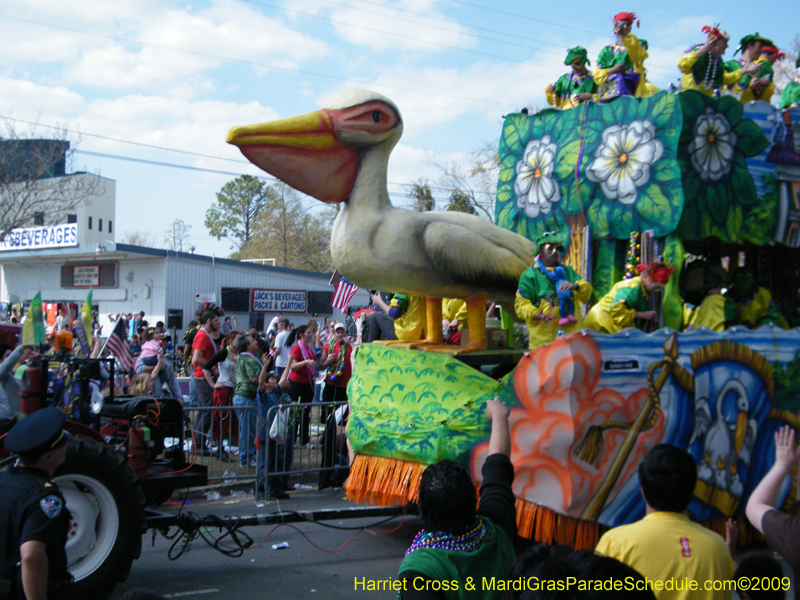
x=129 y=279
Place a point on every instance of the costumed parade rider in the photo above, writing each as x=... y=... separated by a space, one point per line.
x=758 y=85
x=574 y=87
x=703 y=68
x=408 y=313
x=629 y=300
x=715 y=311
x=34 y=520
x=790 y=97
x=537 y=301
x=620 y=66
x=460 y=544
x=754 y=304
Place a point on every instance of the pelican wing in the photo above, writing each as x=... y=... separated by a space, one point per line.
x=702 y=418
x=479 y=255
x=749 y=441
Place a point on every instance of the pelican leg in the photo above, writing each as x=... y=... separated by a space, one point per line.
x=476 y=324
x=433 y=325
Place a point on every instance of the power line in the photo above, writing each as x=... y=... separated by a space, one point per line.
x=105 y=137
x=269 y=66
x=170 y=165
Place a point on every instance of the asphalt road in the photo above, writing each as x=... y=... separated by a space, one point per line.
x=299 y=571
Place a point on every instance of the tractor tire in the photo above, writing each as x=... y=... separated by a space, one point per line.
x=106 y=505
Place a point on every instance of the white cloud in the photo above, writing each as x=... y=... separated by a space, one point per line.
x=226 y=29
x=385 y=27
x=198 y=126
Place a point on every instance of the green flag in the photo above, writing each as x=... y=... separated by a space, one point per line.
x=33 y=328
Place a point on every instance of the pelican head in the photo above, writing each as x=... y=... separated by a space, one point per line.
x=319 y=153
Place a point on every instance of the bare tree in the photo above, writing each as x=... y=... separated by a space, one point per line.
x=422 y=196
x=178 y=235
x=473 y=183
x=785 y=70
x=140 y=238
x=35 y=187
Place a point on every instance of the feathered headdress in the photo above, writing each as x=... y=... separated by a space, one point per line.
x=716 y=32
x=657 y=270
x=626 y=16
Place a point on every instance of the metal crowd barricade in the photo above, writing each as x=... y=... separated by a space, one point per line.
x=326 y=450
x=218 y=447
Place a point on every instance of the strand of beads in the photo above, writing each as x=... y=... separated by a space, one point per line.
x=712 y=69
x=466 y=542
x=633 y=256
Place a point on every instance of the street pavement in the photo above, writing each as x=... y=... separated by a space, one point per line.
x=299 y=571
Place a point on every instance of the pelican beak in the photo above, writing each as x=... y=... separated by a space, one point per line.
x=302 y=152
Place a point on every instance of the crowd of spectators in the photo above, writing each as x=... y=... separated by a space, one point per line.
x=665 y=555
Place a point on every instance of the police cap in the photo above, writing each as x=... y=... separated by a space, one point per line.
x=37 y=433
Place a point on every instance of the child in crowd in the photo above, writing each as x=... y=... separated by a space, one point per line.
x=151 y=349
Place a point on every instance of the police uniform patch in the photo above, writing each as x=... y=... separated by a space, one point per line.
x=51 y=506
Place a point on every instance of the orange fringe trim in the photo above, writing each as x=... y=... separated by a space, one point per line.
x=388 y=481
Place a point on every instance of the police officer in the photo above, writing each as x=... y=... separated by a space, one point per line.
x=33 y=514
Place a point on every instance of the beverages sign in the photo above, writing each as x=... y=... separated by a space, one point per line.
x=38 y=238
x=279 y=301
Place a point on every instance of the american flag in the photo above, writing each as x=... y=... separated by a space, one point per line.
x=118 y=345
x=344 y=293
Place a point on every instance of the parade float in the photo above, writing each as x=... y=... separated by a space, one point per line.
x=678 y=176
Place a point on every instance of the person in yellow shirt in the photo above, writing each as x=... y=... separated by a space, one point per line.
x=454 y=319
x=620 y=66
x=665 y=545
x=537 y=301
x=703 y=68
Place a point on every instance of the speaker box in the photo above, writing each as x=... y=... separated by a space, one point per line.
x=174 y=318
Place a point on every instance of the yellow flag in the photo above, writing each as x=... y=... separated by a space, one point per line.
x=82 y=327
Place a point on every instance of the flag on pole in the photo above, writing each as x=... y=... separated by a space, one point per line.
x=118 y=345
x=82 y=326
x=344 y=293
x=33 y=327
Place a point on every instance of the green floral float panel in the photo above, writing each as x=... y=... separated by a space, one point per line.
x=720 y=194
x=625 y=157
x=418 y=406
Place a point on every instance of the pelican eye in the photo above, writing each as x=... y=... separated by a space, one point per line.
x=376 y=116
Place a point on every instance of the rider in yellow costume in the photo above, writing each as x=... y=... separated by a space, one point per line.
x=702 y=66
x=620 y=66
x=629 y=300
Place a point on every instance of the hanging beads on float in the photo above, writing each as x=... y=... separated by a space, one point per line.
x=634 y=250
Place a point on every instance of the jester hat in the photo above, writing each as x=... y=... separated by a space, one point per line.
x=575 y=53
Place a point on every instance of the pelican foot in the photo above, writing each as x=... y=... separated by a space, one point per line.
x=458 y=349
x=426 y=344
x=403 y=343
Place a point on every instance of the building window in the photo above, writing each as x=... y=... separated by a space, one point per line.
x=100 y=225
x=72 y=218
x=38 y=218
x=90 y=222
x=109 y=227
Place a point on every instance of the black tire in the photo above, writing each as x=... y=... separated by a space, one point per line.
x=107 y=507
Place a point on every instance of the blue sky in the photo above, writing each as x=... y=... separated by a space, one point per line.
x=176 y=75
